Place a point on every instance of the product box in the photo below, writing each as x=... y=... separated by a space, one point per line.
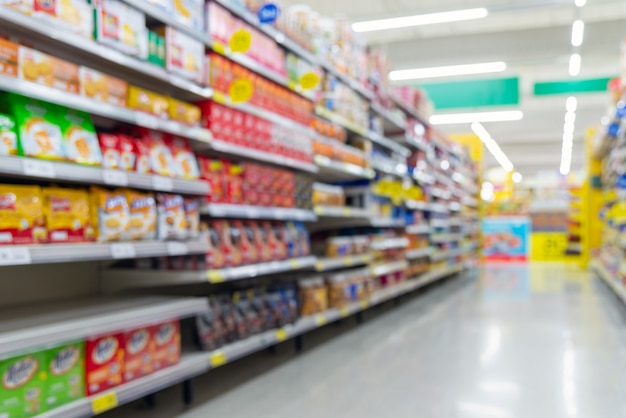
x=190 y=13
x=73 y=15
x=156 y=49
x=121 y=27
x=66 y=374
x=67 y=215
x=103 y=88
x=24 y=6
x=41 y=68
x=183 y=112
x=80 y=138
x=166 y=5
x=22 y=219
x=8 y=135
x=104 y=362
x=147 y=101
x=184 y=54
x=23 y=390
x=9 y=53
x=166 y=338
x=139 y=351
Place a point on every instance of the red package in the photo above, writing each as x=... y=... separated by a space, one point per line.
x=104 y=361
x=248 y=249
x=213 y=172
x=109 y=145
x=138 y=360
x=142 y=157
x=166 y=339
x=234 y=184
x=215 y=257
x=128 y=157
x=280 y=233
x=263 y=250
x=185 y=162
x=160 y=155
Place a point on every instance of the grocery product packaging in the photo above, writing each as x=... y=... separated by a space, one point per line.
x=103 y=88
x=22 y=219
x=147 y=101
x=183 y=112
x=128 y=152
x=80 y=139
x=67 y=215
x=184 y=54
x=143 y=215
x=109 y=146
x=8 y=135
x=23 y=385
x=24 y=6
x=38 y=126
x=171 y=217
x=72 y=15
x=215 y=257
x=41 y=68
x=192 y=217
x=138 y=354
x=156 y=49
x=66 y=374
x=104 y=362
x=184 y=159
x=143 y=164
x=110 y=215
x=121 y=27
x=166 y=337
x=190 y=13
x=246 y=238
x=8 y=57
x=166 y=5
x=160 y=154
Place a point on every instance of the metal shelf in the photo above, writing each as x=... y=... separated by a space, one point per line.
x=223 y=210
x=442 y=255
x=38 y=326
x=31 y=168
x=390 y=167
x=607 y=277
x=440 y=193
x=389 y=243
x=418 y=229
x=387 y=268
x=341 y=212
x=417 y=205
x=117 y=279
x=333 y=263
x=439 y=208
x=335 y=171
x=419 y=252
x=410 y=111
x=441 y=238
x=385 y=222
x=394 y=122
x=14 y=255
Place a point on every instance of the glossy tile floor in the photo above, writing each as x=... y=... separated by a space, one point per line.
x=528 y=341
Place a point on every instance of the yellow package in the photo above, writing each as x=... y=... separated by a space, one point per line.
x=147 y=101
x=183 y=112
x=143 y=215
x=110 y=215
x=22 y=219
x=67 y=215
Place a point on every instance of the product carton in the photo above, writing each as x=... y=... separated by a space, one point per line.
x=8 y=57
x=40 y=68
x=184 y=54
x=138 y=357
x=103 y=88
x=166 y=344
x=73 y=15
x=23 y=385
x=66 y=374
x=104 y=357
x=190 y=13
x=121 y=27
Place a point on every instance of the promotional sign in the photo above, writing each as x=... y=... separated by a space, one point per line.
x=506 y=238
x=268 y=13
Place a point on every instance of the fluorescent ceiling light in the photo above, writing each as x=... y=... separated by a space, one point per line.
x=571 y=104
x=492 y=146
x=419 y=20
x=578 y=30
x=580 y=3
x=517 y=177
x=574 y=65
x=568 y=128
x=454 y=118
x=447 y=71
x=570 y=117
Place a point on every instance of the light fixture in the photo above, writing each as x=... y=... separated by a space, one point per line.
x=574 y=65
x=517 y=177
x=578 y=30
x=454 y=118
x=568 y=128
x=419 y=20
x=570 y=117
x=571 y=104
x=580 y=3
x=486 y=191
x=492 y=146
x=447 y=71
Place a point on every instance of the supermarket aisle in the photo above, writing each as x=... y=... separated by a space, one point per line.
x=544 y=341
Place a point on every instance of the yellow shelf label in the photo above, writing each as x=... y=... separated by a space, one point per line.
x=219 y=97
x=215 y=276
x=344 y=312
x=240 y=41
x=295 y=264
x=281 y=335
x=320 y=320
x=240 y=91
x=219 y=47
x=309 y=80
x=347 y=212
x=104 y=402
x=218 y=359
x=364 y=304
x=319 y=210
x=349 y=261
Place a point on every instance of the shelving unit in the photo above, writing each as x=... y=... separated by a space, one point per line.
x=224 y=210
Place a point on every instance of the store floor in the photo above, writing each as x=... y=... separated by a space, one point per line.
x=528 y=341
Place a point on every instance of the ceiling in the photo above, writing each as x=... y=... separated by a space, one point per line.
x=532 y=37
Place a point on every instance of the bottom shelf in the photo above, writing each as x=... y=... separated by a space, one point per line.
x=608 y=278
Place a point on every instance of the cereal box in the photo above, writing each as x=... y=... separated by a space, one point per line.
x=139 y=350
x=184 y=54
x=122 y=27
x=171 y=217
x=8 y=135
x=103 y=88
x=110 y=215
x=104 y=362
x=66 y=374
x=23 y=386
x=67 y=215
x=22 y=219
x=166 y=344
x=8 y=57
x=81 y=141
x=143 y=215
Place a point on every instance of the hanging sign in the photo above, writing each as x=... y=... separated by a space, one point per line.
x=240 y=41
x=240 y=91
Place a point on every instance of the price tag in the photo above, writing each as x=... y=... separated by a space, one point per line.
x=344 y=312
x=240 y=41
x=123 y=250
x=294 y=264
x=218 y=359
x=215 y=276
x=38 y=168
x=320 y=319
x=220 y=48
x=11 y=256
x=319 y=266
x=309 y=80
x=145 y=120
x=349 y=261
x=240 y=90
x=203 y=135
x=364 y=304
x=177 y=248
x=165 y=184
x=347 y=212
x=115 y=177
x=319 y=210
x=103 y=403
x=281 y=335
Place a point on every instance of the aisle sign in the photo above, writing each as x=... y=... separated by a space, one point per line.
x=309 y=80
x=240 y=91
x=240 y=41
x=103 y=403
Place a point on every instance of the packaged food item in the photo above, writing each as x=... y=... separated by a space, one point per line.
x=248 y=247
x=23 y=385
x=261 y=243
x=67 y=215
x=184 y=159
x=143 y=215
x=39 y=134
x=183 y=112
x=278 y=229
x=73 y=15
x=128 y=154
x=233 y=247
x=9 y=52
x=104 y=362
x=147 y=101
x=156 y=49
x=143 y=165
x=109 y=146
x=110 y=215
x=121 y=27
x=166 y=344
x=8 y=135
x=215 y=257
x=184 y=54
x=192 y=217
x=24 y=6
x=66 y=374
x=41 y=68
x=210 y=327
x=161 y=160
x=212 y=171
x=190 y=13
x=22 y=219
x=313 y=296
x=138 y=353
x=171 y=217
x=81 y=141
x=166 y=5
x=103 y=88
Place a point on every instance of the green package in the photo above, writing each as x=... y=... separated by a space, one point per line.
x=80 y=140
x=39 y=134
x=66 y=374
x=8 y=135
x=156 y=49
x=23 y=385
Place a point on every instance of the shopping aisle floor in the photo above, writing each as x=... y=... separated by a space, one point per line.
x=536 y=341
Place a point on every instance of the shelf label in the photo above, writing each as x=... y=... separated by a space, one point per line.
x=319 y=210
x=349 y=261
x=11 y=256
x=320 y=319
x=240 y=90
x=364 y=304
x=147 y=121
x=218 y=359
x=203 y=135
x=115 y=177
x=37 y=168
x=294 y=264
x=347 y=212
x=344 y=312
x=165 y=184
x=177 y=248
x=103 y=403
x=240 y=41
x=309 y=80
x=281 y=335
x=123 y=250
x=215 y=276
x=319 y=266
x=268 y=13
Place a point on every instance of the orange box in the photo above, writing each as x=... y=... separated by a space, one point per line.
x=139 y=346
x=41 y=68
x=8 y=58
x=147 y=101
x=101 y=87
x=104 y=362
x=166 y=344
